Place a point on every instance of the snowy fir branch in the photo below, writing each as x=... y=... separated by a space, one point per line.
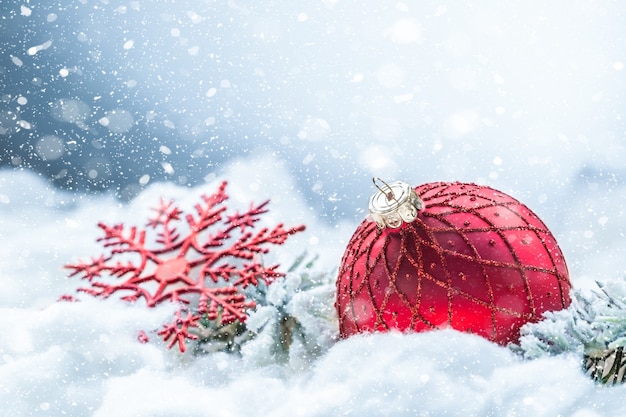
x=595 y=321
x=594 y=327
x=294 y=318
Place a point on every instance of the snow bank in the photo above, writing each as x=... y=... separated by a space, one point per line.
x=83 y=358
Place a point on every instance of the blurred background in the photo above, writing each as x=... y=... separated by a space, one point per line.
x=527 y=97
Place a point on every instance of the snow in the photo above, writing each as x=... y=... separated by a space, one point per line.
x=301 y=103
x=83 y=358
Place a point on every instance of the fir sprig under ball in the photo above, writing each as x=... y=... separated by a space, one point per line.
x=594 y=327
x=449 y=255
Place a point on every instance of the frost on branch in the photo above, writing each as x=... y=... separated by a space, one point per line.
x=205 y=266
x=594 y=326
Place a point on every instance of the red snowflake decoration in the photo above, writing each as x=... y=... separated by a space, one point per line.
x=209 y=266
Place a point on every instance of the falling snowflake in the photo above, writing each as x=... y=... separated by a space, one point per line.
x=205 y=271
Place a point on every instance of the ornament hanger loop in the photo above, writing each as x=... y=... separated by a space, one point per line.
x=394 y=204
x=389 y=193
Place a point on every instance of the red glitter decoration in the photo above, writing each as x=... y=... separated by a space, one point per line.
x=475 y=259
x=205 y=271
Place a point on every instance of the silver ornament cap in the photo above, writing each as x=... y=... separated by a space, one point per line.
x=394 y=204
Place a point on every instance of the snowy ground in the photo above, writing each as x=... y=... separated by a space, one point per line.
x=84 y=359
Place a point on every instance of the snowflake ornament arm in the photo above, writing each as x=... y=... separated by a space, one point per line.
x=178 y=330
x=204 y=269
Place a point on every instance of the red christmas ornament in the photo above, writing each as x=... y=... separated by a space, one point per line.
x=449 y=254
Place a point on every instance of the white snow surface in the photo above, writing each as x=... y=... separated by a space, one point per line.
x=83 y=358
